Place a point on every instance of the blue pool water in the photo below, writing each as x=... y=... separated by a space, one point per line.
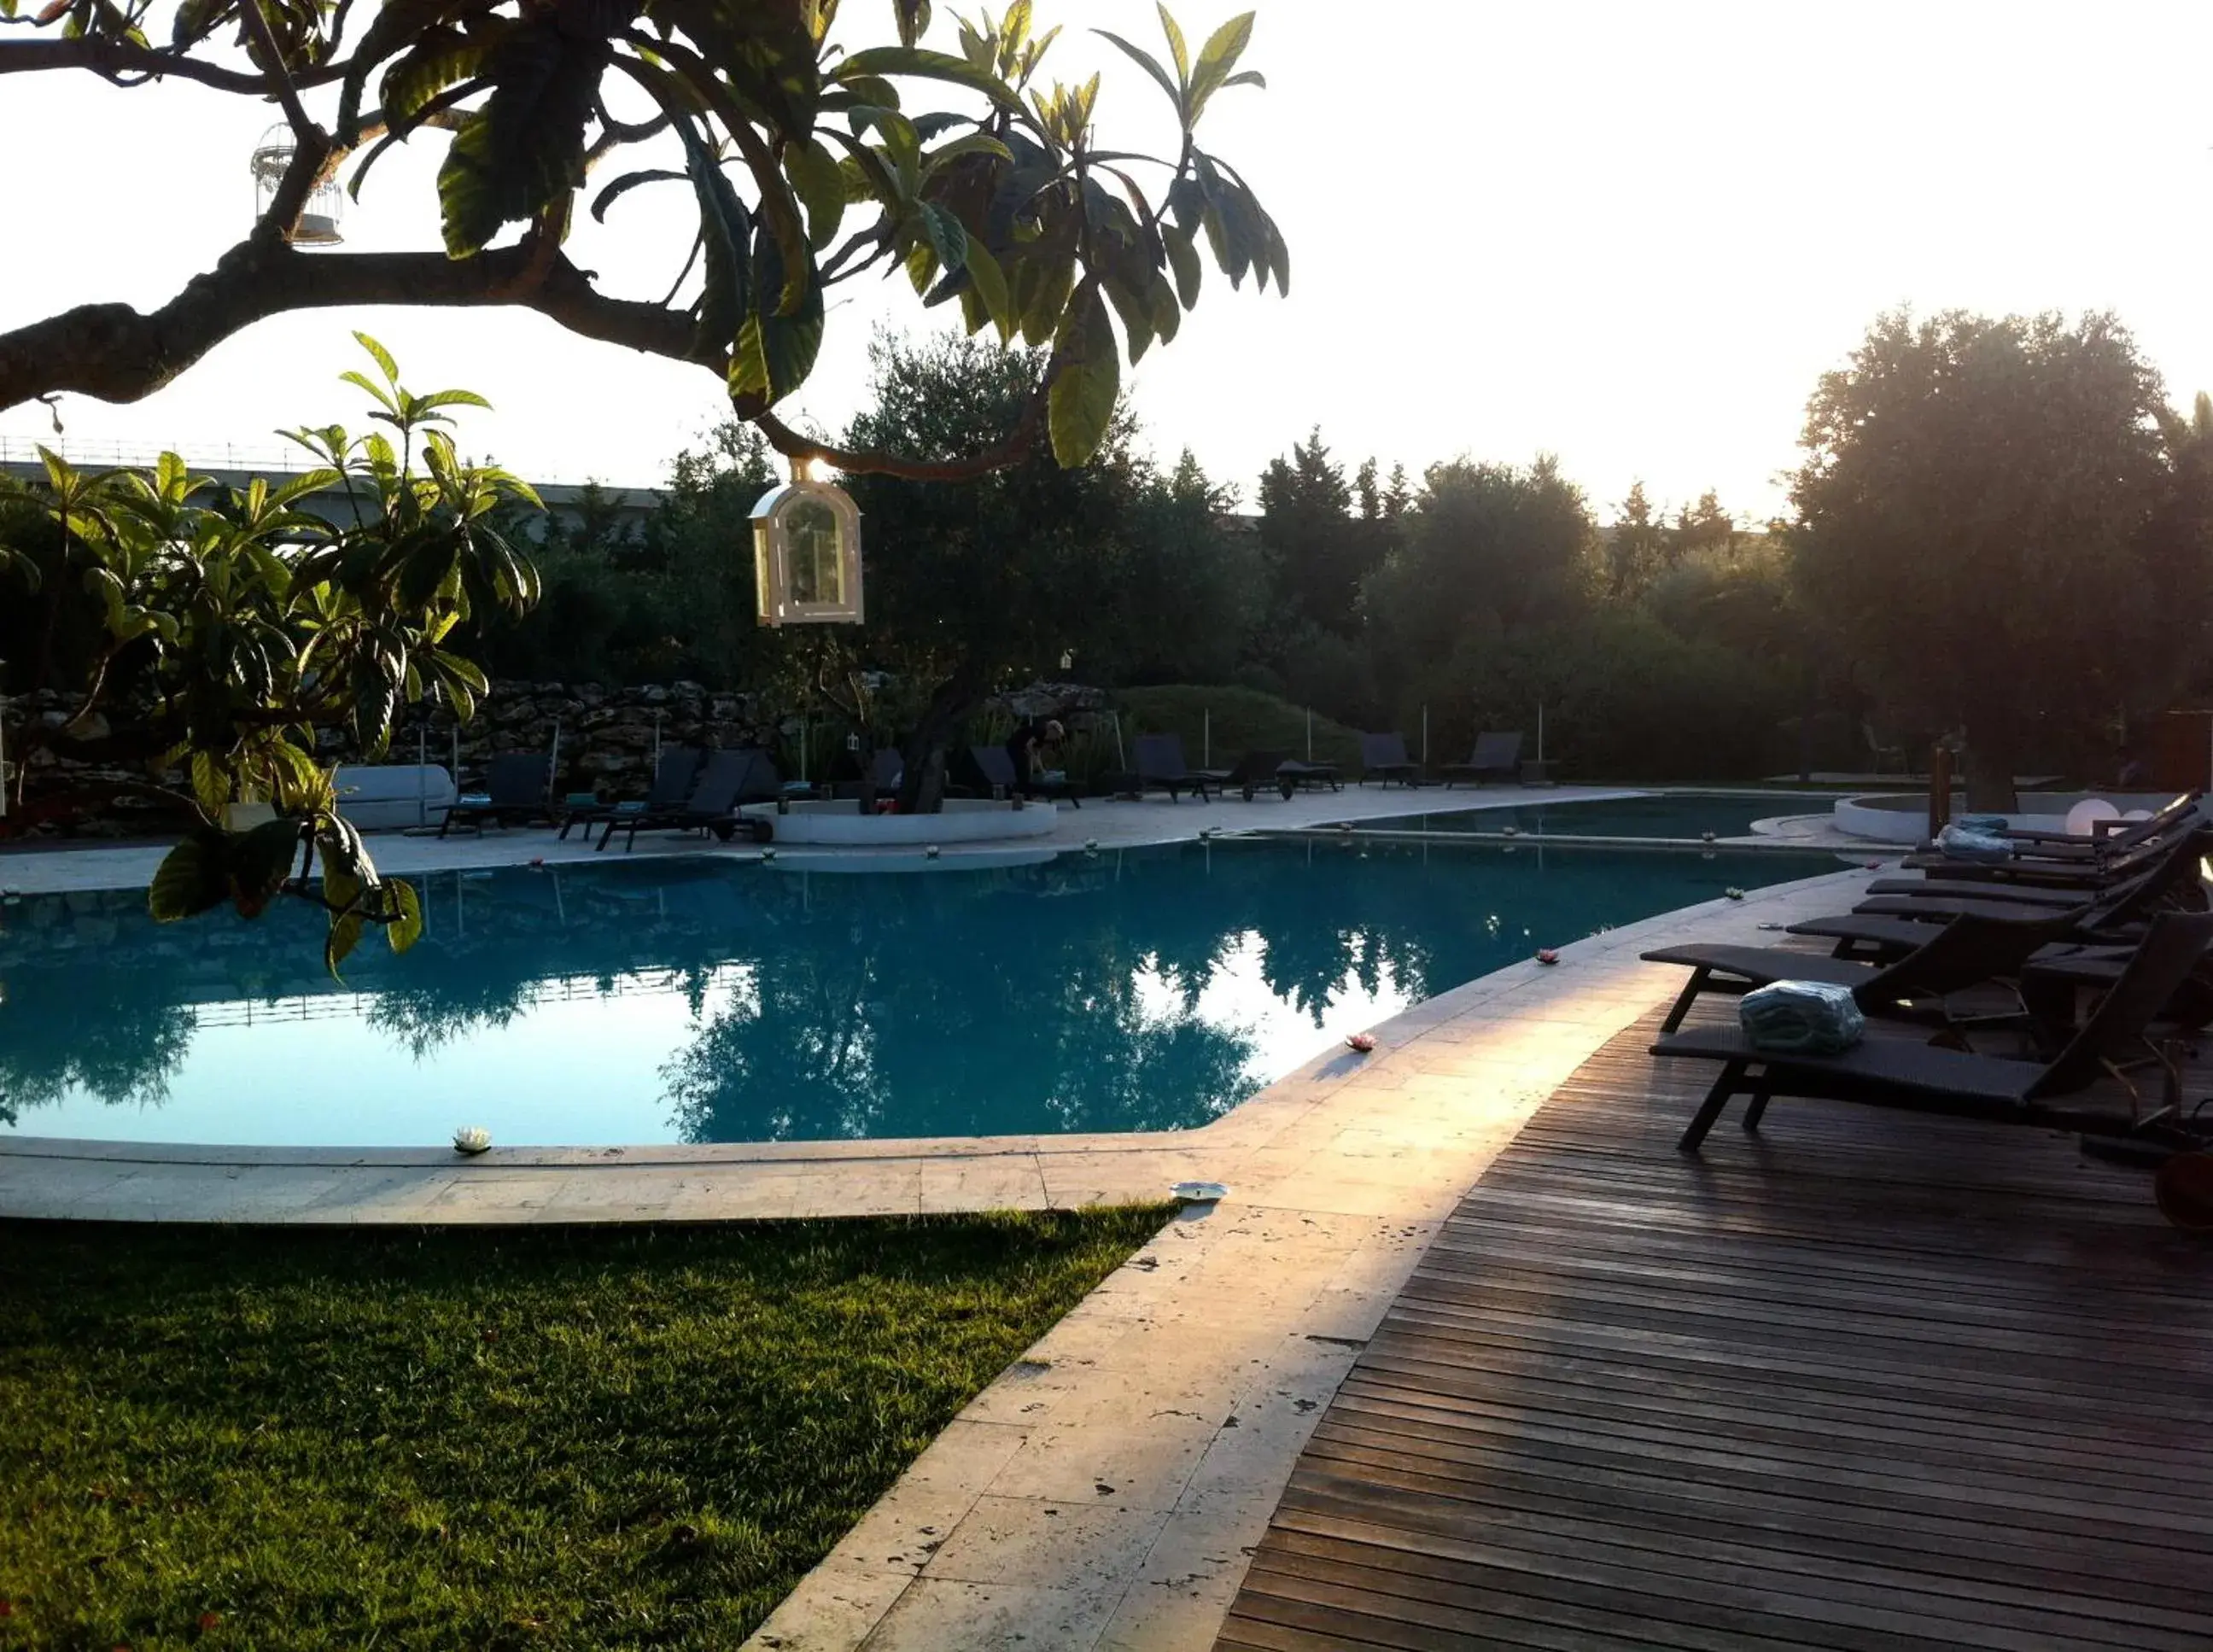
x=1668 y=815
x=699 y=1000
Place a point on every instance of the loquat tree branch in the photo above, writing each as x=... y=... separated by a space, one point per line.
x=287 y=94
x=1009 y=449
x=119 y=354
x=116 y=60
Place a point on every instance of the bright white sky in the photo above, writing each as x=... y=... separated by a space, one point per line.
x=1632 y=233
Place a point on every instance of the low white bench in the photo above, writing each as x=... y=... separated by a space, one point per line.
x=386 y=796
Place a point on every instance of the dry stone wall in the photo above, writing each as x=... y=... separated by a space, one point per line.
x=607 y=744
x=607 y=735
x=606 y=739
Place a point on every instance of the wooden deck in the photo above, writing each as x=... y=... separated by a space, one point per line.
x=1868 y=1379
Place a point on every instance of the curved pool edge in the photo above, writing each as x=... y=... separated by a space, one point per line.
x=1324 y=1127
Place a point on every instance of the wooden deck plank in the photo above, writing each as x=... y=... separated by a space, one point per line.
x=1864 y=1379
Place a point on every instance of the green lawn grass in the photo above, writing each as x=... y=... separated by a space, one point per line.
x=509 y=1438
x=1245 y=719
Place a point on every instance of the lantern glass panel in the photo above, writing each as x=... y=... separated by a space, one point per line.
x=816 y=564
x=765 y=571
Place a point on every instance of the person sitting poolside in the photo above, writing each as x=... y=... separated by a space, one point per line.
x=1026 y=750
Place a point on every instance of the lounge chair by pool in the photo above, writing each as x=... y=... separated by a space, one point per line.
x=1963 y=953
x=1903 y=1073
x=673 y=776
x=1160 y=767
x=1253 y=774
x=517 y=792
x=1496 y=756
x=1383 y=758
x=730 y=777
x=995 y=766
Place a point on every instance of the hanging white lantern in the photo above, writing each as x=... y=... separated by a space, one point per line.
x=318 y=224
x=807 y=555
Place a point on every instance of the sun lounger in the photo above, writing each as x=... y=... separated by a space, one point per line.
x=994 y=768
x=2094 y=914
x=1496 y=756
x=1302 y=773
x=2106 y=839
x=516 y=791
x=2064 y=855
x=1383 y=758
x=1160 y=767
x=1253 y=774
x=729 y=779
x=886 y=770
x=1963 y=953
x=673 y=776
x=1903 y=1073
x=1968 y=889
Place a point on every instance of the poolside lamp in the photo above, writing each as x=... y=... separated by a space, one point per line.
x=807 y=555
x=318 y=224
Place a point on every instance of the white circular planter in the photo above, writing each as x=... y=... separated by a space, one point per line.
x=1903 y=817
x=962 y=820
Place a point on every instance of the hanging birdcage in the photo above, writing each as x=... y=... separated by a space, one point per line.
x=318 y=225
x=807 y=555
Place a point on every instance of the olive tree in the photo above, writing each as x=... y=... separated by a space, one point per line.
x=810 y=163
x=1988 y=524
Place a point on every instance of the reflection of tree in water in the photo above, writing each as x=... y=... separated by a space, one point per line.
x=948 y=1005
x=424 y=1015
x=1057 y=998
x=64 y=1030
x=494 y=945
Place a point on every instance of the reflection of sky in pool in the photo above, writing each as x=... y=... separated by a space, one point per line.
x=703 y=1001
x=1673 y=815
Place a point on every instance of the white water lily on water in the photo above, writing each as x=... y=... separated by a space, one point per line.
x=472 y=1138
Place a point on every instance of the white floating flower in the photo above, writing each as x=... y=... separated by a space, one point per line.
x=1734 y=893
x=930 y=852
x=471 y=1139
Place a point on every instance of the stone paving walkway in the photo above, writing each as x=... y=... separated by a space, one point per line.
x=33 y=868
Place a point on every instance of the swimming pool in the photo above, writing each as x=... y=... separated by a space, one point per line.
x=699 y=1000
x=1666 y=814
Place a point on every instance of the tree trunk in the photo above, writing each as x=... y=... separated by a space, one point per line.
x=1808 y=706
x=1990 y=756
x=867 y=791
x=921 y=788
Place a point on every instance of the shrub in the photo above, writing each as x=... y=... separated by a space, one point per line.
x=1243 y=719
x=1625 y=699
